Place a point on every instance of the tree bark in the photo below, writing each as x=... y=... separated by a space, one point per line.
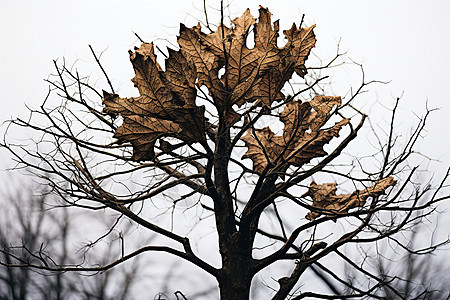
x=237 y=263
x=236 y=276
x=234 y=289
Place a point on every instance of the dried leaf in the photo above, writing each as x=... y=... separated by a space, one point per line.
x=325 y=198
x=204 y=58
x=302 y=139
x=258 y=150
x=180 y=78
x=294 y=117
x=166 y=106
x=271 y=66
x=250 y=75
x=301 y=42
x=241 y=62
x=256 y=74
x=142 y=132
x=310 y=145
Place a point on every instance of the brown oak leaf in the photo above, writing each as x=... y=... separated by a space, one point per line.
x=168 y=97
x=165 y=107
x=269 y=67
x=250 y=74
x=325 y=198
x=303 y=136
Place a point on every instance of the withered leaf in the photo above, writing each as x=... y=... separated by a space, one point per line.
x=254 y=74
x=142 y=132
x=257 y=142
x=166 y=106
x=271 y=66
x=303 y=137
x=325 y=198
x=204 y=58
x=250 y=74
x=180 y=78
x=241 y=62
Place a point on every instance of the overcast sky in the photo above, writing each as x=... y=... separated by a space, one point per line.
x=405 y=42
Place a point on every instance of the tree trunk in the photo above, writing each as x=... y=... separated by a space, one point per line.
x=237 y=262
x=234 y=290
x=234 y=284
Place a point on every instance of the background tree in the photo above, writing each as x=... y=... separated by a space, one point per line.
x=30 y=229
x=184 y=141
x=418 y=275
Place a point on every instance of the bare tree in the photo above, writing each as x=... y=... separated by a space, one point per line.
x=28 y=231
x=215 y=143
x=414 y=272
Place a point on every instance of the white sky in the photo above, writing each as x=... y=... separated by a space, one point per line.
x=405 y=42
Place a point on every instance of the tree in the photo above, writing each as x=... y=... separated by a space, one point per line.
x=417 y=276
x=29 y=230
x=195 y=139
